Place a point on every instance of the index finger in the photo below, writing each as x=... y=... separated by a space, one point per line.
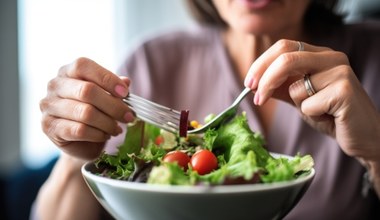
x=261 y=64
x=88 y=70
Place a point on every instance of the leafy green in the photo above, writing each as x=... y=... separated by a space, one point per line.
x=138 y=145
x=240 y=152
x=170 y=174
x=284 y=169
x=120 y=166
x=209 y=117
x=237 y=139
x=138 y=136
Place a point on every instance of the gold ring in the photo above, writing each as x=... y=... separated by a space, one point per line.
x=309 y=87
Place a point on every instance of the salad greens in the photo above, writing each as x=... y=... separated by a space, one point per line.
x=241 y=154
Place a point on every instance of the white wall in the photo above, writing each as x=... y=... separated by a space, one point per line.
x=101 y=30
x=136 y=19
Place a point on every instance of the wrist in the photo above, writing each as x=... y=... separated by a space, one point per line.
x=72 y=163
x=67 y=169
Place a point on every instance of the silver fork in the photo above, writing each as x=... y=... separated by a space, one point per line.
x=177 y=121
x=163 y=117
x=224 y=116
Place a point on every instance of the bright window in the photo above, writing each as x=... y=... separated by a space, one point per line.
x=53 y=33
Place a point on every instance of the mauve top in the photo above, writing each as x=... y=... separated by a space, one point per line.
x=190 y=69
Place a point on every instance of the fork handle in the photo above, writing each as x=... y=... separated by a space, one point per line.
x=243 y=94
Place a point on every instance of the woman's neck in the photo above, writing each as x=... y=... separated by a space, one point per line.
x=244 y=48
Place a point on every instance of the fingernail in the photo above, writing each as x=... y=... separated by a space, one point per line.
x=129 y=117
x=251 y=83
x=248 y=82
x=254 y=84
x=121 y=90
x=256 y=99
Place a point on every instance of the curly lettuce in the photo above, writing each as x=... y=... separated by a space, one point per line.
x=242 y=157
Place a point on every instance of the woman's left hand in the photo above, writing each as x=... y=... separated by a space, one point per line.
x=339 y=107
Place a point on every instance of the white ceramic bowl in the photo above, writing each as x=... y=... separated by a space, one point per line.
x=140 y=201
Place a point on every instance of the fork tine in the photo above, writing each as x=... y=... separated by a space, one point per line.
x=164 y=125
x=141 y=104
x=152 y=114
x=146 y=101
x=155 y=115
x=161 y=116
x=148 y=116
x=171 y=114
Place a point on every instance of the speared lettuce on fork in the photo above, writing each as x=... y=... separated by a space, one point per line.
x=241 y=153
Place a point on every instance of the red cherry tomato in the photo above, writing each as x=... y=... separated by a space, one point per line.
x=204 y=161
x=159 y=140
x=180 y=157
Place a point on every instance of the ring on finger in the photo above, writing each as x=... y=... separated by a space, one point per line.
x=308 y=86
x=301 y=47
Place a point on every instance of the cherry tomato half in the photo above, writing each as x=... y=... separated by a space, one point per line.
x=180 y=157
x=159 y=140
x=204 y=161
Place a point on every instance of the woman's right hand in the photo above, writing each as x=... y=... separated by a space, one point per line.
x=83 y=107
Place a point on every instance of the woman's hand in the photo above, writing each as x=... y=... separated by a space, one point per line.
x=340 y=107
x=82 y=108
x=80 y=112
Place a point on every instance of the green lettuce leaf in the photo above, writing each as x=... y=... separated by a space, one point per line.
x=282 y=169
x=138 y=136
x=171 y=174
x=240 y=152
x=235 y=138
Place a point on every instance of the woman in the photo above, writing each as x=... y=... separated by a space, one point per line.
x=282 y=45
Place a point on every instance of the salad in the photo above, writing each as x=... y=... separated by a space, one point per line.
x=230 y=154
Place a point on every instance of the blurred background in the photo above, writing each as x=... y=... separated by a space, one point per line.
x=39 y=36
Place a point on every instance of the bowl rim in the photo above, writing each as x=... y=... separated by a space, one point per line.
x=198 y=189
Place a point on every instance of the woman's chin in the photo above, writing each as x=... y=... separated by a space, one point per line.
x=254 y=29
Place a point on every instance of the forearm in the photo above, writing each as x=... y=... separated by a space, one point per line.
x=65 y=195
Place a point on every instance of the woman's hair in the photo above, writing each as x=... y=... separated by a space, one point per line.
x=319 y=12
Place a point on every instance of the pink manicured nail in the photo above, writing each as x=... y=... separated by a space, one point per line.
x=121 y=90
x=256 y=99
x=248 y=82
x=251 y=83
x=254 y=84
x=129 y=117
